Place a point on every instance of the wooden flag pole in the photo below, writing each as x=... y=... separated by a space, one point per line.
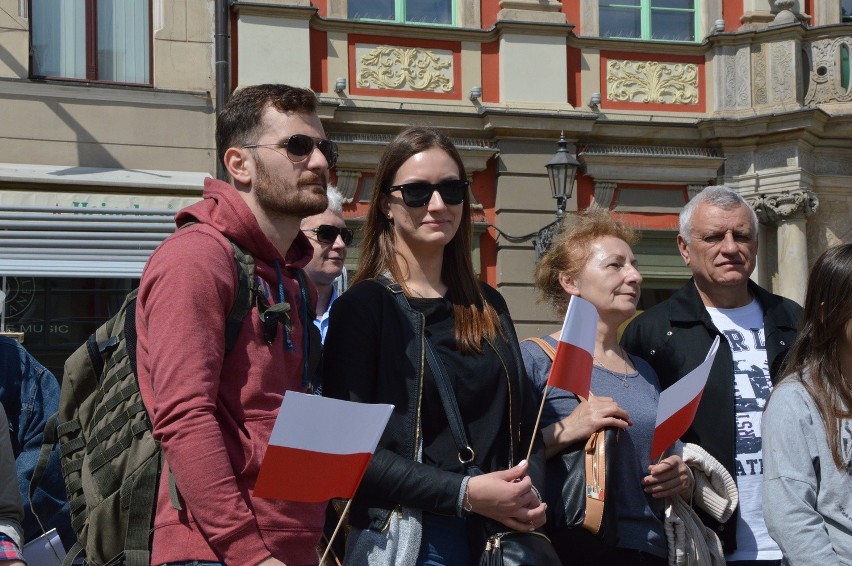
x=537 y=421
x=334 y=534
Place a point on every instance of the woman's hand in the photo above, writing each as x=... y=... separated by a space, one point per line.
x=668 y=478
x=507 y=496
x=588 y=417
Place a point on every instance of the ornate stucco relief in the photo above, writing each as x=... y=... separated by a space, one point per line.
x=652 y=81
x=782 y=71
x=736 y=81
x=404 y=68
x=824 y=85
x=758 y=65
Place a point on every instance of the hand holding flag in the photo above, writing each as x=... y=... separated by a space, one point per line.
x=571 y=369
x=679 y=403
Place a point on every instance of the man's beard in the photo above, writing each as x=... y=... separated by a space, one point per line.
x=278 y=197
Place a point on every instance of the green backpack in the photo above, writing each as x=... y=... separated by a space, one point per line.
x=111 y=463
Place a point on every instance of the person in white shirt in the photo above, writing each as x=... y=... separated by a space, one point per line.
x=329 y=237
x=718 y=240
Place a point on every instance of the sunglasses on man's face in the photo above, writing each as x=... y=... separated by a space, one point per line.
x=419 y=194
x=300 y=146
x=328 y=234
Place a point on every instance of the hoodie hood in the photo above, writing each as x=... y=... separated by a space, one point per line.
x=223 y=209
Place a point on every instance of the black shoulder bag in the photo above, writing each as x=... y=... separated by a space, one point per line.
x=501 y=547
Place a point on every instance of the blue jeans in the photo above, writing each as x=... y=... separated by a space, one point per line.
x=444 y=542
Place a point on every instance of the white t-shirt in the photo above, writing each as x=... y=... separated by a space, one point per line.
x=743 y=327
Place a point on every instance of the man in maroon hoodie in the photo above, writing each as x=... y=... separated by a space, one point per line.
x=213 y=411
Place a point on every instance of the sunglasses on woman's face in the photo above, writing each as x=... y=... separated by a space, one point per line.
x=419 y=194
x=300 y=146
x=328 y=234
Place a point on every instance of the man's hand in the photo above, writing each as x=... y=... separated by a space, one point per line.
x=508 y=497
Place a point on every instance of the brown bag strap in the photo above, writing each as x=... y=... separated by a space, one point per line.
x=595 y=481
x=544 y=345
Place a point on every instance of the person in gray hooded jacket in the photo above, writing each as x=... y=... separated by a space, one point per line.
x=807 y=426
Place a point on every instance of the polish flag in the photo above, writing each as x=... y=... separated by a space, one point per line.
x=319 y=448
x=679 y=403
x=572 y=365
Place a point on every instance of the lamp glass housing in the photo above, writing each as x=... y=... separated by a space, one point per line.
x=561 y=171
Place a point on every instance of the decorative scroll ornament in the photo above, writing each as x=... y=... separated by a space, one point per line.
x=652 y=81
x=412 y=68
x=778 y=208
x=825 y=57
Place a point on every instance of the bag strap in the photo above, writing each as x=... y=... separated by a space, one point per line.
x=544 y=345
x=466 y=454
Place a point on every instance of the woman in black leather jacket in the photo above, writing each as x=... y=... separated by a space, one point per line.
x=416 y=496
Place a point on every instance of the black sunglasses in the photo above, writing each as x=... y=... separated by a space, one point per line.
x=327 y=234
x=419 y=194
x=300 y=146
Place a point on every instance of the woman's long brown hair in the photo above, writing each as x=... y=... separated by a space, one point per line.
x=828 y=308
x=475 y=319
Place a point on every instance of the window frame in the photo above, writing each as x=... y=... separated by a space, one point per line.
x=645 y=9
x=91 y=45
x=399 y=8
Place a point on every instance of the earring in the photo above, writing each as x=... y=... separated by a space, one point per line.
x=390 y=216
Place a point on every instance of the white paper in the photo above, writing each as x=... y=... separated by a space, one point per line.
x=46 y=550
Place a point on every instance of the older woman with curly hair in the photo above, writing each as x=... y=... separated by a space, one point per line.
x=591 y=258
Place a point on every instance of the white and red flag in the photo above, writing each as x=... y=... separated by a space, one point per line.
x=319 y=448
x=679 y=403
x=572 y=365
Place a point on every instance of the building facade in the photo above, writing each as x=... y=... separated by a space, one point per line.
x=106 y=129
x=657 y=99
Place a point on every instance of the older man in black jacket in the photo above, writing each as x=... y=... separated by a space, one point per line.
x=718 y=241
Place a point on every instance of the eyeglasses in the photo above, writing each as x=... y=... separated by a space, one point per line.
x=419 y=194
x=300 y=146
x=328 y=234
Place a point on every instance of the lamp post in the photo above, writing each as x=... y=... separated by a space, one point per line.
x=561 y=171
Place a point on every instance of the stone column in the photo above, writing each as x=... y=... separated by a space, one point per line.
x=789 y=212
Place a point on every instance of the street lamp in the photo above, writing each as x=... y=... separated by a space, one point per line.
x=561 y=171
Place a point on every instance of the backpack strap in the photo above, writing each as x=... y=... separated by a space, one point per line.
x=242 y=302
x=311 y=339
x=544 y=345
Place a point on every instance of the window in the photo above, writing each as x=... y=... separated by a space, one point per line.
x=92 y=40
x=667 y=20
x=404 y=11
x=846 y=11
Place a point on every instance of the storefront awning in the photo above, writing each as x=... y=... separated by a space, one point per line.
x=76 y=235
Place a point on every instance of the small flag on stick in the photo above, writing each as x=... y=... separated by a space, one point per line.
x=679 y=403
x=319 y=448
x=572 y=364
